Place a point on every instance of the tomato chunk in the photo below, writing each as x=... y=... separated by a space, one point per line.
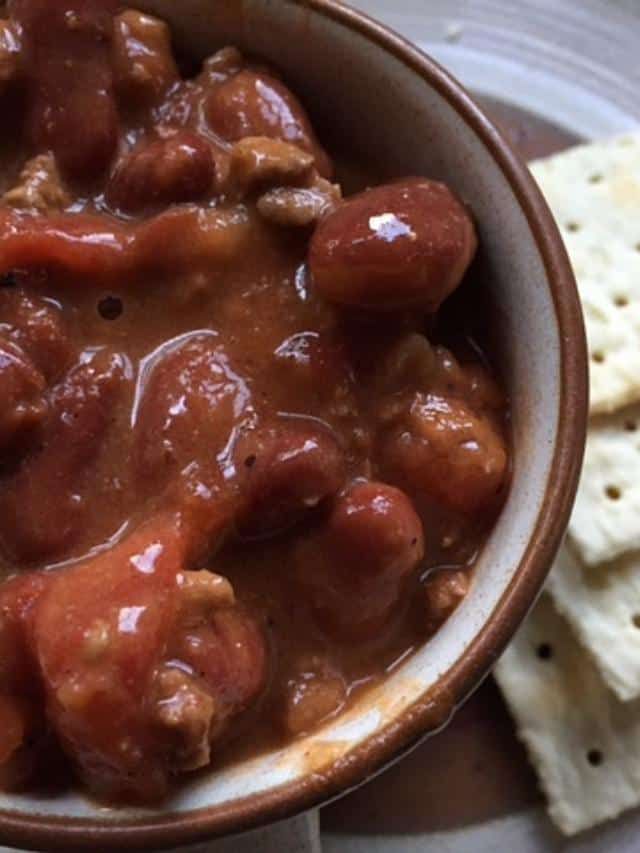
x=141 y=664
x=97 y=250
x=99 y=631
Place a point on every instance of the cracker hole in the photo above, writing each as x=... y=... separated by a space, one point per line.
x=573 y=227
x=596 y=178
x=598 y=357
x=110 y=308
x=636 y=620
x=250 y=461
x=595 y=757
x=545 y=651
x=630 y=426
x=613 y=493
x=621 y=301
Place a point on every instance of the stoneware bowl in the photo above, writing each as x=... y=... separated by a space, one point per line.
x=383 y=98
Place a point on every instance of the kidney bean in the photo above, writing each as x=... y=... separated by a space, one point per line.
x=253 y=103
x=67 y=60
x=443 y=592
x=355 y=568
x=22 y=405
x=37 y=327
x=190 y=403
x=290 y=469
x=161 y=172
x=402 y=245
x=40 y=188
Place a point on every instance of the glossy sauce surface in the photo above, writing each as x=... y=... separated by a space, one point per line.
x=274 y=455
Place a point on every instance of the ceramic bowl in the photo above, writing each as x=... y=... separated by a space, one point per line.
x=391 y=104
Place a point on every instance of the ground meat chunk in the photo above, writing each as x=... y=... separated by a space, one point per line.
x=222 y=668
x=443 y=592
x=143 y=63
x=40 y=188
x=258 y=161
x=201 y=593
x=299 y=207
x=444 y=451
x=314 y=692
x=409 y=362
x=185 y=712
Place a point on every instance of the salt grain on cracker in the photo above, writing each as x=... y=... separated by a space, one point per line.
x=606 y=517
x=594 y=193
x=583 y=742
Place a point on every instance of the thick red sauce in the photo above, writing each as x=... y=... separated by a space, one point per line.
x=476 y=769
x=247 y=458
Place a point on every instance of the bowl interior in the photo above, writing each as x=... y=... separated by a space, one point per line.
x=380 y=106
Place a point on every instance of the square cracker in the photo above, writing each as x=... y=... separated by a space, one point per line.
x=606 y=516
x=602 y=605
x=583 y=742
x=594 y=193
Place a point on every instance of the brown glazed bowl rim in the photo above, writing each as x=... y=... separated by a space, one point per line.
x=435 y=707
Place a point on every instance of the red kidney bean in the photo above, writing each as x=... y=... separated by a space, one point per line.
x=401 y=245
x=253 y=103
x=161 y=172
